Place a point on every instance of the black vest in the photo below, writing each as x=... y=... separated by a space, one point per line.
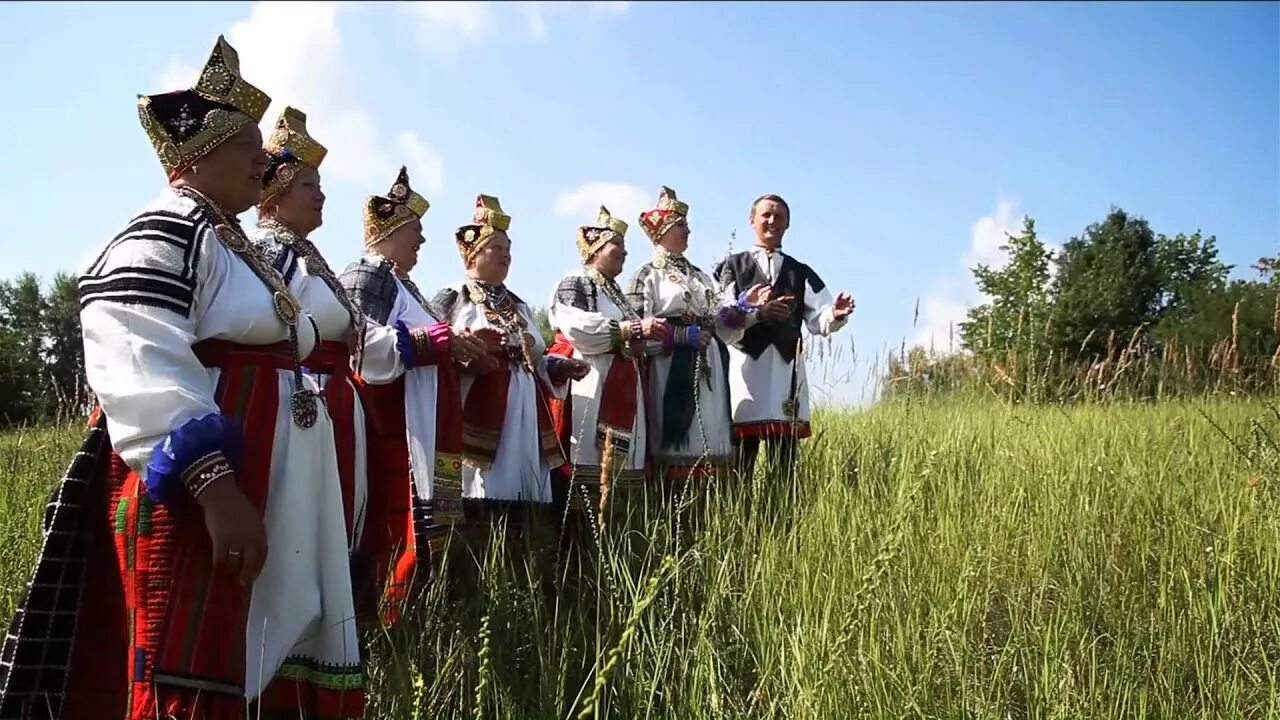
x=793 y=279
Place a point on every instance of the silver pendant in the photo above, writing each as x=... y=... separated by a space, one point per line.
x=304 y=407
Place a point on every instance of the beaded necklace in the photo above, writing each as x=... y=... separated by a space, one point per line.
x=303 y=404
x=316 y=265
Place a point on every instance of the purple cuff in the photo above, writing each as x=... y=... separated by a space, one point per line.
x=669 y=340
x=733 y=316
x=210 y=445
x=555 y=370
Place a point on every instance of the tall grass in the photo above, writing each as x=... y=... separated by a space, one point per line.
x=960 y=559
x=1127 y=370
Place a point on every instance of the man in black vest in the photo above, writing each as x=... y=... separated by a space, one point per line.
x=768 y=395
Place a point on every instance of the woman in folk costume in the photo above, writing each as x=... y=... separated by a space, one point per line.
x=508 y=440
x=291 y=208
x=194 y=564
x=691 y=428
x=413 y=389
x=601 y=422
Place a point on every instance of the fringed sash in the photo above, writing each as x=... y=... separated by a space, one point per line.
x=447 y=490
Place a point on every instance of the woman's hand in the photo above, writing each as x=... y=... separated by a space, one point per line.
x=653 y=328
x=464 y=346
x=238 y=536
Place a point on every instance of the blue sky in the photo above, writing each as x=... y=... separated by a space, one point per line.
x=906 y=137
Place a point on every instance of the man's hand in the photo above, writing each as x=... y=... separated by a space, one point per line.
x=843 y=306
x=236 y=531
x=704 y=340
x=759 y=294
x=778 y=308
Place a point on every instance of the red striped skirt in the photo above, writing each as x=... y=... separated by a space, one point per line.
x=159 y=603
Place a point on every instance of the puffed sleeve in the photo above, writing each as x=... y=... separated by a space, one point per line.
x=819 y=311
x=372 y=288
x=141 y=298
x=574 y=312
x=642 y=293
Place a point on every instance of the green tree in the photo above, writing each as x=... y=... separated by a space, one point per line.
x=1108 y=284
x=543 y=322
x=1269 y=268
x=1015 y=317
x=64 y=345
x=22 y=356
x=1192 y=280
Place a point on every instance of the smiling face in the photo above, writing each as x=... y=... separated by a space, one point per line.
x=610 y=258
x=402 y=245
x=770 y=219
x=493 y=262
x=231 y=173
x=301 y=205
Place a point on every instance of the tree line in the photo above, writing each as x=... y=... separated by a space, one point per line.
x=42 y=354
x=1119 y=310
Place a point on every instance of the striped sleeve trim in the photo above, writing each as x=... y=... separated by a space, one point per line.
x=140 y=286
x=153 y=262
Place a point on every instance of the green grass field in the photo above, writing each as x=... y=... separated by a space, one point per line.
x=931 y=560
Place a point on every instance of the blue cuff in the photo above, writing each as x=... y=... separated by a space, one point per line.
x=742 y=303
x=404 y=345
x=553 y=362
x=694 y=332
x=195 y=439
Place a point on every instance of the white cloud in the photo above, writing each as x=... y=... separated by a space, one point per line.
x=623 y=200
x=177 y=75
x=538 y=13
x=942 y=310
x=939 y=327
x=426 y=168
x=443 y=27
x=307 y=68
x=989 y=233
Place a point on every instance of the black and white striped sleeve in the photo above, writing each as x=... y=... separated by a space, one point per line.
x=142 y=297
x=153 y=262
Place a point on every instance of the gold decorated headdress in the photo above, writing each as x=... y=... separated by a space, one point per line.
x=185 y=125
x=605 y=229
x=669 y=211
x=487 y=219
x=288 y=149
x=385 y=215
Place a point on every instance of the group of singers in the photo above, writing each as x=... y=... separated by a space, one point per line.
x=271 y=433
